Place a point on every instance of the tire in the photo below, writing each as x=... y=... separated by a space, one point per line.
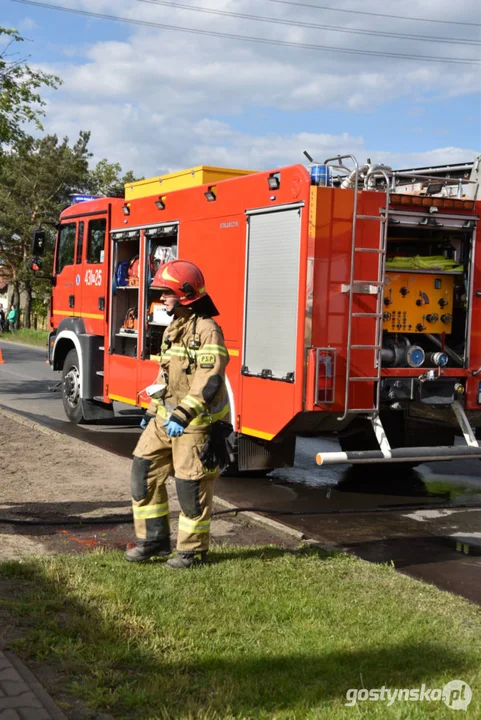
x=72 y=401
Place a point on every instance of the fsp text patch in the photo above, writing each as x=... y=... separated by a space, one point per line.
x=206 y=360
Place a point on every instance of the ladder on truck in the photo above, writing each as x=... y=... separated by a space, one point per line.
x=375 y=286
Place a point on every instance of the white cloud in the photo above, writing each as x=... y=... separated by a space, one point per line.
x=27 y=23
x=152 y=101
x=438 y=156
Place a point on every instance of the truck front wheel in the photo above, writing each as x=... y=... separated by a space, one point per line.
x=72 y=401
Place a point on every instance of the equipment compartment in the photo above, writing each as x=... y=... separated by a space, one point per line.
x=161 y=247
x=125 y=293
x=427 y=283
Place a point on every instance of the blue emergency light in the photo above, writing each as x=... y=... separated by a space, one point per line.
x=83 y=198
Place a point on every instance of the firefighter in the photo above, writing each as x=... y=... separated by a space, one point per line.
x=185 y=435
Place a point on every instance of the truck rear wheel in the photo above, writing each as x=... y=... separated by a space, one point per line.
x=72 y=402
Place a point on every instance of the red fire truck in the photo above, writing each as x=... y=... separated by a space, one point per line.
x=349 y=297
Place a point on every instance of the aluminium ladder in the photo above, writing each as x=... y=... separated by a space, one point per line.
x=357 y=286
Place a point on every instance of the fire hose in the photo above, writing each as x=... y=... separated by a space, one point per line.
x=128 y=517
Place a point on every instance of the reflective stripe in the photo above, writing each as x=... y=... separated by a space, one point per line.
x=149 y=512
x=173 y=353
x=193 y=526
x=125 y=400
x=211 y=472
x=201 y=419
x=194 y=404
x=216 y=349
x=165 y=275
x=257 y=433
x=72 y=313
x=208 y=418
x=178 y=351
x=162 y=411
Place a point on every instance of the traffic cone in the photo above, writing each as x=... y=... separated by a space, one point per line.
x=2 y=361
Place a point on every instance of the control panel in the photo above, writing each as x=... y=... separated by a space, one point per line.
x=418 y=302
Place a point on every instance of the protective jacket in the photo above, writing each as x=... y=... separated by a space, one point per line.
x=193 y=359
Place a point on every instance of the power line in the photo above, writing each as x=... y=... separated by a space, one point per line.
x=374 y=14
x=266 y=41
x=311 y=26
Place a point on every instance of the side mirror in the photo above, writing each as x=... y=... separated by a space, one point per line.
x=38 y=243
x=36 y=264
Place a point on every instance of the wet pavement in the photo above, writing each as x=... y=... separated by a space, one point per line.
x=424 y=521
x=420 y=530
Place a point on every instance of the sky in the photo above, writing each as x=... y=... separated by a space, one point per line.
x=158 y=99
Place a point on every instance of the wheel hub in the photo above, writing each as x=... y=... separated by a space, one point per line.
x=72 y=386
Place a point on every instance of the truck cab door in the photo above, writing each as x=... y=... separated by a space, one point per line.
x=66 y=298
x=94 y=275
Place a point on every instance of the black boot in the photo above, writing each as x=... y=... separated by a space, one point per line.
x=185 y=560
x=146 y=550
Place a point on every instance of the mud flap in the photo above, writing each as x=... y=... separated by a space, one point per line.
x=95 y=410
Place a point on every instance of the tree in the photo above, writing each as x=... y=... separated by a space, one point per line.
x=20 y=101
x=37 y=176
x=36 y=184
x=107 y=179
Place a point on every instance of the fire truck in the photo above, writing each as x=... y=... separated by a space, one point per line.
x=349 y=298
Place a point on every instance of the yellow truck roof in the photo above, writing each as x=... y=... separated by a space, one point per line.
x=200 y=175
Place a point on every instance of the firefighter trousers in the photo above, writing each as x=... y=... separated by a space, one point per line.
x=157 y=456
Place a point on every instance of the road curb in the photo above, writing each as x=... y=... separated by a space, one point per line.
x=277 y=526
x=261 y=519
x=47 y=702
x=31 y=700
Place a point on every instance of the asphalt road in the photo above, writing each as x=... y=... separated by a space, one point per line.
x=391 y=515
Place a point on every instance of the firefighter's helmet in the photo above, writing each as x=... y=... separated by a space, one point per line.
x=181 y=277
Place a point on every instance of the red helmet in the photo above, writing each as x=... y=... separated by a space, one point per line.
x=183 y=278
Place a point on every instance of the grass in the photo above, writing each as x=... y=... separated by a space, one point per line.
x=261 y=633
x=27 y=337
